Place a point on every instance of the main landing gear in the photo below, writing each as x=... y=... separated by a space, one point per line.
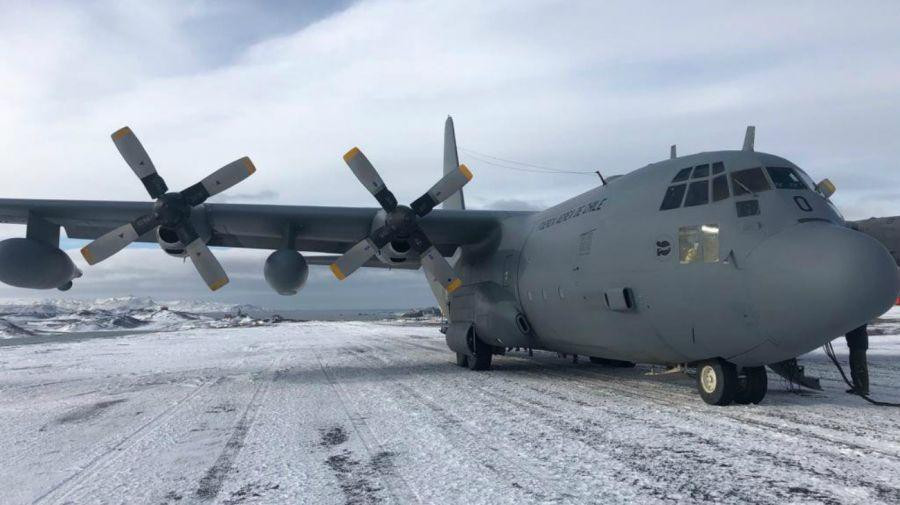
x=719 y=383
x=480 y=356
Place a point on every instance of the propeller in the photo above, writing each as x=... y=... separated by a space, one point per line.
x=171 y=210
x=402 y=222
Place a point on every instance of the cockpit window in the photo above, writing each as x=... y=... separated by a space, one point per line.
x=698 y=193
x=700 y=171
x=718 y=168
x=751 y=180
x=720 y=188
x=785 y=178
x=673 y=197
x=682 y=175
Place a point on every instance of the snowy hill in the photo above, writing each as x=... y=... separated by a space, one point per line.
x=19 y=319
x=23 y=319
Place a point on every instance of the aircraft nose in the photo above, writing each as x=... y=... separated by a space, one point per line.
x=816 y=281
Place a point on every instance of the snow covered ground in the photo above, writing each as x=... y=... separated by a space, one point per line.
x=367 y=412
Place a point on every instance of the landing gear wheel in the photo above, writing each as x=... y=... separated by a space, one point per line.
x=753 y=386
x=480 y=359
x=717 y=382
x=462 y=359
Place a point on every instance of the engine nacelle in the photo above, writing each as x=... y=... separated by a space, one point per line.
x=168 y=241
x=27 y=263
x=286 y=271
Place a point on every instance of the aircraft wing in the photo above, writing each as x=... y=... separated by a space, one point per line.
x=317 y=229
x=884 y=229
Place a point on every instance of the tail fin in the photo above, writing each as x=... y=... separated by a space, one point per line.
x=451 y=163
x=455 y=202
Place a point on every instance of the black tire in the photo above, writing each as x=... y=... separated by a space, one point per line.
x=462 y=359
x=753 y=386
x=480 y=358
x=612 y=363
x=717 y=381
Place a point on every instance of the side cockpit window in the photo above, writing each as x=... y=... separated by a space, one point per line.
x=682 y=175
x=751 y=180
x=673 y=197
x=785 y=178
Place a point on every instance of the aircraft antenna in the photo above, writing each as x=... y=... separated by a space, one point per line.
x=673 y=152
x=749 y=138
x=517 y=165
x=600 y=176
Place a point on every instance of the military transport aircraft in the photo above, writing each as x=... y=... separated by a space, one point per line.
x=725 y=260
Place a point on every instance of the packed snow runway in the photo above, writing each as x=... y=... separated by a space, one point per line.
x=363 y=412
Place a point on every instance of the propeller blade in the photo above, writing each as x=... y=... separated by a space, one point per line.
x=219 y=181
x=449 y=184
x=116 y=240
x=206 y=264
x=440 y=270
x=364 y=171
x=356 y=257
x=131 y=149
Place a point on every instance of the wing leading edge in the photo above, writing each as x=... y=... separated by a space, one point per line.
x=316 y=229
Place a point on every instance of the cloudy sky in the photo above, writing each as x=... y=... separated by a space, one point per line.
x=573 y=85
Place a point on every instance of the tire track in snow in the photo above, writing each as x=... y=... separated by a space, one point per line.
x=646 y=391
x=211 y=483
x=632 y=467
x=502 y=466
x=394 y=483
x=67 y=486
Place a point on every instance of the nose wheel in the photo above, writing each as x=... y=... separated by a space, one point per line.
x=719 y=383
x=752 y=387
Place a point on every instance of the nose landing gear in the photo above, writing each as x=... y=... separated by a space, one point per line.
x=719 y=383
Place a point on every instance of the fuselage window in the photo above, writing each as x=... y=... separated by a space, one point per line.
x=751 y=180
x=720 y=188
x=698 y=244
x=700 y=171
x=697 y=194
x=673 y=197
x=682 y=175
x=785 y=178
x=718 y=168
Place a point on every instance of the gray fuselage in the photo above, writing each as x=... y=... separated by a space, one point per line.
x=753 y=278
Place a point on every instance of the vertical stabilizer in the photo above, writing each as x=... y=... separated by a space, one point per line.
x=749 y=138
x=455 y=202
x=451 y=163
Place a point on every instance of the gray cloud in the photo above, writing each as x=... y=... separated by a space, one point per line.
x=579 y=86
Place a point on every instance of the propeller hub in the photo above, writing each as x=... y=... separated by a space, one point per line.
x=402 y=220
x=171 y=209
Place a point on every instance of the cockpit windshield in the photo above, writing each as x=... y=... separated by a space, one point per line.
x=751 y=180
x=785 y=178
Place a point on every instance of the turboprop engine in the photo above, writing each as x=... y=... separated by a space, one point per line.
x=29 y=263
x=286 y=271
